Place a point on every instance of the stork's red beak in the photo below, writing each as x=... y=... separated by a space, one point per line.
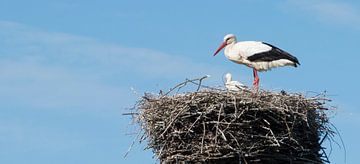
x=220 y=47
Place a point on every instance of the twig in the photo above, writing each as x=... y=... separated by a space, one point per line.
x=185 y=82
x=342 y=141
x=202 y=140
x=162 y=134
x=132 y=144
x=217 y=125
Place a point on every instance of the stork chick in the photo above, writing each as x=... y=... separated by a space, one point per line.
x=233 y=85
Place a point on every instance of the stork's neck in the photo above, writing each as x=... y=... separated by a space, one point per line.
x=228 y=79
x=229 y=49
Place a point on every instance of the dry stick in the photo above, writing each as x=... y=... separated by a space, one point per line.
x=217 y=124
x=208 y=87
x=132 y=144
x=322 y=140
x=201 y=79
x=130 y=113
x=342 y=142
x=272 y=133
x=162 y=134
x=235 y=106
x=202 y=140
x=330 y=144
x=223 y=135
x=197 y=119
x=324 y=154
x=184 y=83
x=288 y=128
x=162 y=148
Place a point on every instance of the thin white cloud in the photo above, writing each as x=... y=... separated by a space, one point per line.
x=338 y=12
x=50 y=70
x=32 y=85
x=76 y=51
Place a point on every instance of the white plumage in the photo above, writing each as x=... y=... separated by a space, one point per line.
x=239 y=52
x=260 y=56
x=233 y=85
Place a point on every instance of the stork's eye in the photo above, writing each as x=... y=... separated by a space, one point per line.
x=228 y=40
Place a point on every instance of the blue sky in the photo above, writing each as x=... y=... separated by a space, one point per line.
x=66 y=68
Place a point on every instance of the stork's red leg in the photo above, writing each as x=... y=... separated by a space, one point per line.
x=256 y=79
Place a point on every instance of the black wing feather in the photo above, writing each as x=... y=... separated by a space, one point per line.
x=272 y=55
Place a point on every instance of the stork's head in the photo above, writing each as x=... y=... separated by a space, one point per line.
x=228 y=39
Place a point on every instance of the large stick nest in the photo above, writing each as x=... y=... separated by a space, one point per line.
x=215 y=126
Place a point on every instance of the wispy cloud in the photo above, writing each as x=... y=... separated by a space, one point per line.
x=32 y=85
x=339 y=12
x=50 y=70
x=77 y=51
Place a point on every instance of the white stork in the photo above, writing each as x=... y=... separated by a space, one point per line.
x=260 y=56
x=232 y=85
